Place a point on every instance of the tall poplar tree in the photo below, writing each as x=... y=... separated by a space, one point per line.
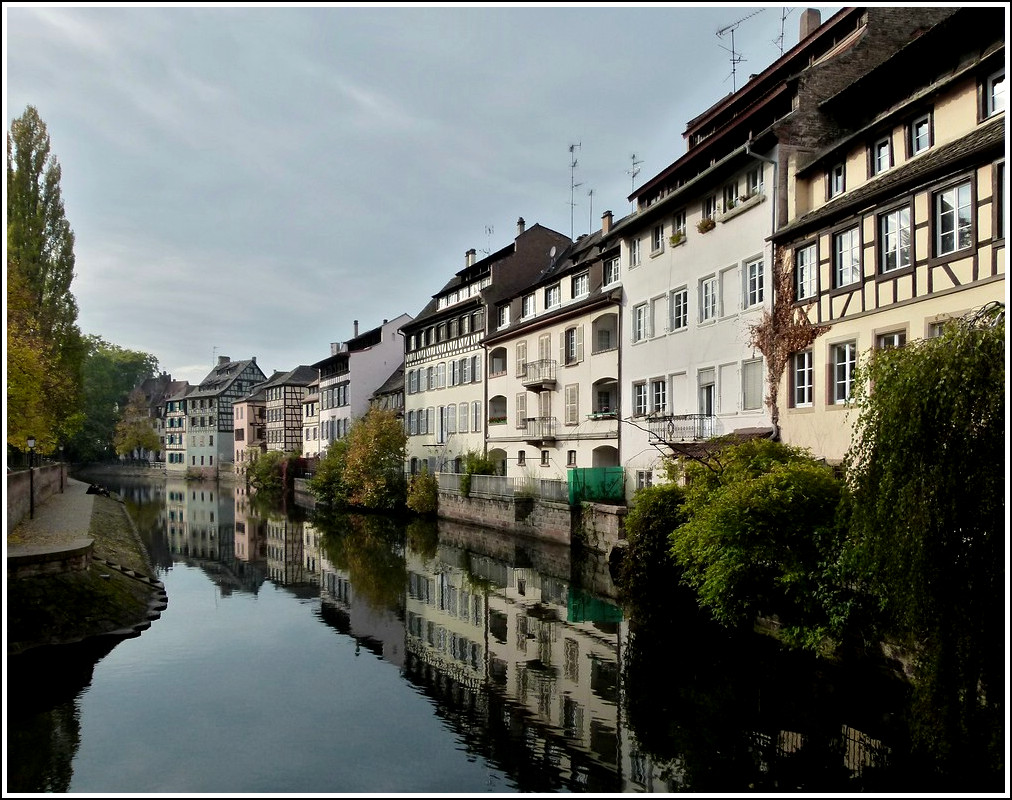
x=40 y=257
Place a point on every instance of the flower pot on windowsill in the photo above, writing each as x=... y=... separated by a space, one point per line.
x=706 y=224
x=497 y=421
x=676 y=239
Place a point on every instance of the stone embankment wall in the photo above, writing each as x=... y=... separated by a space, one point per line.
x=45 y=481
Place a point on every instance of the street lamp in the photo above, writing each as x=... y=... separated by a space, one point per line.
x=61 y=469
x=31 y=477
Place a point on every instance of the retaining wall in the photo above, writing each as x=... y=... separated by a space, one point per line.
x=45 y=480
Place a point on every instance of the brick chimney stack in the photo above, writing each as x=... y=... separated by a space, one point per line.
x=606 y=219
x=521 y=226
x=811 y=19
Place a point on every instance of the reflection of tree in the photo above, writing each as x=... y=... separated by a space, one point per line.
x=423 y=537
x=740 y=712
x=371 y=550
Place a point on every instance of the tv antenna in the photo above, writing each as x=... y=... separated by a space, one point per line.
x=779 y=41
x=633 y=171
x=735 y=56
x=573 y=185
x=489 y=230
x=590 y=194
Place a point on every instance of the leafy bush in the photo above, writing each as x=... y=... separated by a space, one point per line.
x=761 y=538
x=423 y=493
x=474 y=462
x=265 y=473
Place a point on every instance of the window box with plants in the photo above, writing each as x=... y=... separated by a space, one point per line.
x=677 y=238
x=603 y=414
x=706 y=224
x=497 y=420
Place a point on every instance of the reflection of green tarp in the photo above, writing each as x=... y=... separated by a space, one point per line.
x=596 y=484
x=583 y=607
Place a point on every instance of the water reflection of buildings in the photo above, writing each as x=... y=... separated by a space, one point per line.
x=535 y=655
x=201 y=524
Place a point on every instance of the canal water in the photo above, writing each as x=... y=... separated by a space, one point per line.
x=301 y=653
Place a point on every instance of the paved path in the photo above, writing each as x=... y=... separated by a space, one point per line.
x=59 y=521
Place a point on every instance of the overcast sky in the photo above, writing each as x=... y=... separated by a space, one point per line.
x=247 y=180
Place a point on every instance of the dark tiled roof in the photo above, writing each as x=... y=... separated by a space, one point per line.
x=950 y=157
x=393 y=384
x=302 y=375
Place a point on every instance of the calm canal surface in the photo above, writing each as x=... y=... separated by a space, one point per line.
x=361 y=655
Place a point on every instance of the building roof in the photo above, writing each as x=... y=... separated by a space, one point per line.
x=223 y=375
x=302 y=375
x=393 y=384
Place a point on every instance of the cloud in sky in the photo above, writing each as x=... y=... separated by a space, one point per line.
x=248 y=180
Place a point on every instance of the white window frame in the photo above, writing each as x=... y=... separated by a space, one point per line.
x=802 y=379
x=994 y=93
x=612 y=271
x=920 y=134
x=553 y=296
x=958 y=203
x=678 y=308
x=659 y=396
x=657 y=238
x=754 y=284
x=678 y=222
x=640 y=399
x=844 y=361
x=837 y=180
x=846 y=257
x=709 y=303
x=893 y=229
x=581 y=285
x=887 y=341
x=806 y=273
x=528 y=305
x=881 y=155
x=504 y=315
x=640 y=326
x=635 y=257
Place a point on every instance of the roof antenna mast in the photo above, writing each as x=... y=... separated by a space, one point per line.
x=735 y=57
x=573 y=185
x=633 y=172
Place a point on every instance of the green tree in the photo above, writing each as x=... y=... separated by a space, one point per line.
x=40 y=251
x=134 y=430
x=109 y=373
x=327 y=484
x=266 y=472
x=374 y=465
x=761 y=538
x=927 y=485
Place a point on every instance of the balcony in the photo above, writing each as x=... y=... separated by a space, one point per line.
x=540 y=429
x=540 y=374
x=682 y=428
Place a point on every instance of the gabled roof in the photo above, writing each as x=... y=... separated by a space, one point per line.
x=302 y=375
x=222 y=376
x=393 y=384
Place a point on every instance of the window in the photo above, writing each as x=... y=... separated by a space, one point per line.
x=611 y=271
x=504 y=316
x=1000 y=189
x=846 y=257
x=658 y=315
x=521 y=404
x=752 y=385
x=805 y=273
x=527 y=306
x=952 y=219
x=545 y=458
x=659 y=396
x=581 y=285
x=476 y=416
x=802 y=375
x=639 y=332
x=521 y=458
x=708 y=288
x=678 y=222
x=679 y=307
x=710 y=206
x=553 y=296
x=753 y=181
x=894 y=239
x=644 y=478
x=707 y=392
x=657 y=238
x=844 y=364
x=836 y=181
x=462 y=417
x=936 y=329
x=886 y=341
x=730 y=193
x=572 y=394
x=639 y=399
x=994 y=94
x=920 y=134
x=572 y=345
x=634 y=252
x=881 y=155
x=754 y=282
x=521 y=359
x=570 y=459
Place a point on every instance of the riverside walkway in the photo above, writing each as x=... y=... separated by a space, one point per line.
x=60 y=523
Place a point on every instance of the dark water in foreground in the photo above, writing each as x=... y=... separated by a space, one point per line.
x=363 y=655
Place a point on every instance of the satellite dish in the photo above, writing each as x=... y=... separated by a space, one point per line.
x=551 y=253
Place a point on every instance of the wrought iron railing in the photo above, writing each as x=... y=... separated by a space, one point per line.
x=539 y=428
x=682 y=427
x=539 y=373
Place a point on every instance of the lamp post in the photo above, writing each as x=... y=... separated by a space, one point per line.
x=61 y=469
x=31 y=477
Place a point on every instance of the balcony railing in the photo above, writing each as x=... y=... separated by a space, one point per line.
x=682 y=427
x=540 y=429
x=502 y=486
x=540 y=374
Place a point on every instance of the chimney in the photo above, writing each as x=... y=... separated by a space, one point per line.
x=223 y=360
x=606 y=222
x=811 y=19
x=521 y=225
x=356 y=327
x=335 y=348
x=254 y=359
x=469 y=258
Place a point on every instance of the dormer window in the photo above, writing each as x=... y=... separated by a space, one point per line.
x=920 y=134
x=836 y=181
x=553 y=296
x=994 y=94
x=881 y=155
x=527 y=306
